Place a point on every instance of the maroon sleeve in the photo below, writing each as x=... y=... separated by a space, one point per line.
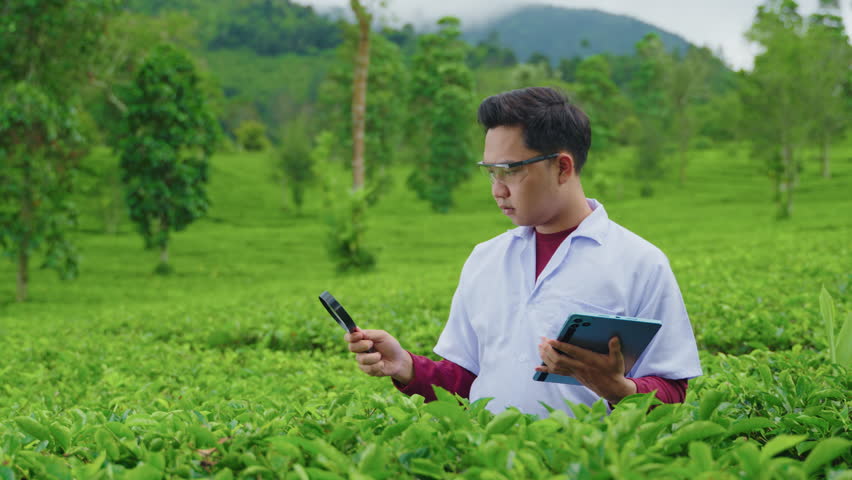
x=445 y=374
x=668 y=391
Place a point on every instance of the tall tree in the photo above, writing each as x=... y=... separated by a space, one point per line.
x=831 y=80
x=601 y=99
x=775 y=96
x=45 y=50
x=442 y=86
x=359 y=92
x=686 y=83
x=652 y=104
x=169 y=135
x=385 y=113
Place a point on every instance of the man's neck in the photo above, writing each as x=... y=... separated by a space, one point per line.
x=574 y=212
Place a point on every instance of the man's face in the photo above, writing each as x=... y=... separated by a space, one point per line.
x=532 y=200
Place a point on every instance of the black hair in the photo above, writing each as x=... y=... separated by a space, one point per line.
x=550 y=122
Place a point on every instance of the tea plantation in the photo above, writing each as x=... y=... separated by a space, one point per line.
x=230 y=368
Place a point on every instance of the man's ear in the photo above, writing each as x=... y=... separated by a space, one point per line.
x=566 y=166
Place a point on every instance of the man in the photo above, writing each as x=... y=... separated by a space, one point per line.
x=517 y=289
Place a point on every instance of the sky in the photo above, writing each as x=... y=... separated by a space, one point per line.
x=717 y=24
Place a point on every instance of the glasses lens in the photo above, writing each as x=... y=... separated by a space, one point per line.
x=506 y=176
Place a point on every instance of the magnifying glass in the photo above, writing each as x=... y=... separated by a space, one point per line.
x=339 y=314
x=336 y=310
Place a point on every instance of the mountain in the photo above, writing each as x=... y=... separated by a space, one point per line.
x=566 y=33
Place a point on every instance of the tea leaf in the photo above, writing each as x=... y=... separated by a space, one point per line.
x=826 y=451
x=693 y=431
x=709 y=403
x=502 y=422
x=61 y=435
x=780 y=444
x=844 y=343
x=749 y=425
x=33 y=428
x=826 y=307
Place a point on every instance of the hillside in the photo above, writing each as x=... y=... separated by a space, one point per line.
x=567 y=33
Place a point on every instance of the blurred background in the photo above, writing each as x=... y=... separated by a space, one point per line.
x=300 y=142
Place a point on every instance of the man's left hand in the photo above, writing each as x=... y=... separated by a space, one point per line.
x=601 y=373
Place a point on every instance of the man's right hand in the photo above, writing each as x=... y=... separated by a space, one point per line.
x=388 y=359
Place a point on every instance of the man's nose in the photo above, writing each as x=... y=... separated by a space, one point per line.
x=499 y=190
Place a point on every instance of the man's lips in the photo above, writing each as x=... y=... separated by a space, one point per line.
x=506 y=209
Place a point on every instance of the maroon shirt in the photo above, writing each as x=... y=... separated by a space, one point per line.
x=454 y=378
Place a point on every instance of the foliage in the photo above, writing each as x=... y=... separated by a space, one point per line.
x=169 y=136
x=490 y=53
x=440 y=112
x=40 y=144
x=653 y=108
x=51 y=43
x=795 y=55
x=127 y=40
x=45 y=49
x=830 y=55
x=388 y=82
x=840 y=345
x=251 y=135
x=240 y=338
x=294 y=159
x=603 y=102
x=345 y=211
x=272 y=28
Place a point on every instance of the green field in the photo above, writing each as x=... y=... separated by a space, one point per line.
x=231 y=368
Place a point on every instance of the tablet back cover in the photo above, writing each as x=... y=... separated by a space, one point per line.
x=592 y=332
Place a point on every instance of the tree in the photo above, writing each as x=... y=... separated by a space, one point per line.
x=831 y=81
x=601 y=99
x=652 y=106
x=295 y=162
x=776 y=97
x=542 y=60
x=441 y=108
x=42 y=145
x=359 y=92
x=385 y=113
x=251 y=135
x=686 y=82
x=169 y=135
x=45 y=50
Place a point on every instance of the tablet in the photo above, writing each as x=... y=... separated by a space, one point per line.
x=592 y=332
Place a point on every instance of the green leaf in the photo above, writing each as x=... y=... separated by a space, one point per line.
x=33 y=428
x=780 y=444
x=204 y=438
x=61 y=435
x=844 y=343
x=448 y=411
x=6 y=473
x=144 y=471
x=424 y=466
x=749 y=425
x=826 y=307
x=502 y=422
x=710 y=401
x=702 y=454
x=694 y=431
x=374 y=461
x=826 y=451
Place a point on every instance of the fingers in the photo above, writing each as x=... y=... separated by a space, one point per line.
x=614 y=346
x=361 y=340
x=360 y=346
x=371 y=363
